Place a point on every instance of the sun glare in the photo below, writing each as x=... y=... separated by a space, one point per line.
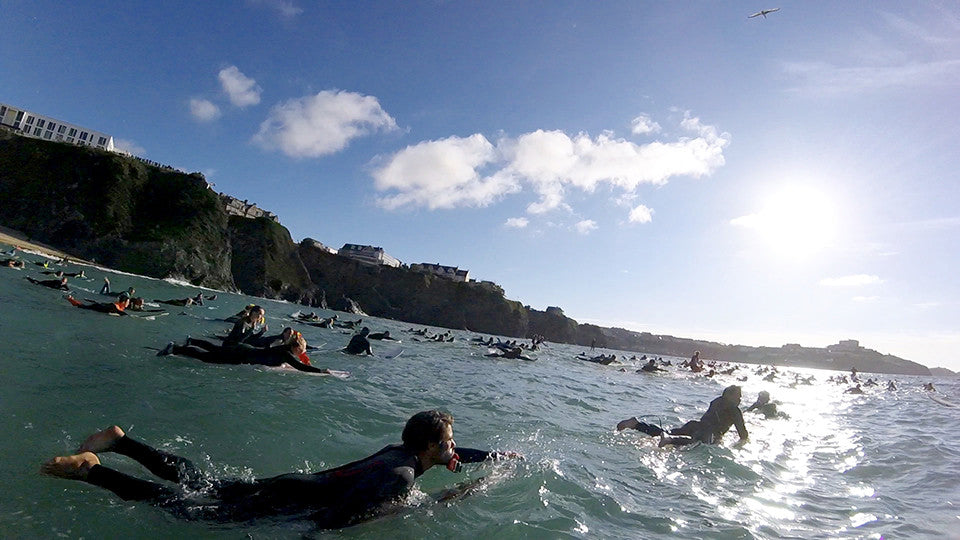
x=796 y=221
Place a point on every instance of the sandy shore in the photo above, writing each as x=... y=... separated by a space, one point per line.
x=17 y=238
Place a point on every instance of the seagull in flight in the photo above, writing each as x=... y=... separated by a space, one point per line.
x=763 y=12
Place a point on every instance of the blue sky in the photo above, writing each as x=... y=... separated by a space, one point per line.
x=671 y=168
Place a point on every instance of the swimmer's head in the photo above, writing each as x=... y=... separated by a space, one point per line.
x=364 y=331
x=733 y=393
x=426 y=429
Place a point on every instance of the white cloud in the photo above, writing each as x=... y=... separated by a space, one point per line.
x=641 y=214
x=204 y=110
x=128 y=146
x=441 y=174
x=285 y=8
x=585 y=226
x=866 y=299
x=516 y=222
x=643 y=124
x=549 y=163
x=855 y=280
x=242 y=90
x=314 y=126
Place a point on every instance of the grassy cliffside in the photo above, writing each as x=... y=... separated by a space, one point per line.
x=114 y=210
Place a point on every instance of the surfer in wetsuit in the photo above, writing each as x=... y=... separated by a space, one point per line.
x=359 y=344
x=650 y=367
x=113 y=308
x=723 y=413
x=385 y=335
x=293 y=354
x=333 y=498
x=12 y=263
x=515 y=353
x=52 y=283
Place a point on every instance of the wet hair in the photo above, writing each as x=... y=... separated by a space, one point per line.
x=364 y=331
x=728 y=391
x=424 y=428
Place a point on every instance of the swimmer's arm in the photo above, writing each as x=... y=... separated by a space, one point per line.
x=741 y=427
x=470 y=455
x=304 y=367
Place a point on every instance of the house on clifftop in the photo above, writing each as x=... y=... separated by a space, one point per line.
x=38 y=126
x=448 y=272
x=368 y=255
x=236 y=207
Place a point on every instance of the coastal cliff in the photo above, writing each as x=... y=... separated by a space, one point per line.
x=135 y=217
x=115 y=210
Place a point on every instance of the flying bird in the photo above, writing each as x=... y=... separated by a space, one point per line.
x=763 y=12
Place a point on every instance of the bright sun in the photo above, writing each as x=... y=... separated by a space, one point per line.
x=797 y=221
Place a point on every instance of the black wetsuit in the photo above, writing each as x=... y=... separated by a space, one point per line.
x=243 y=354
x=102 y=308
x=333 y=498
x=358 y=345
x=720 y=416
x=52 y=283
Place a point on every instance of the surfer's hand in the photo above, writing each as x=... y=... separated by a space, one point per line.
x=506 y=455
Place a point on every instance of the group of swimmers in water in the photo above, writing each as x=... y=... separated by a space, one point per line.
x=348 y=494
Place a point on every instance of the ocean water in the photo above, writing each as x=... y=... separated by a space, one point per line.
x=880 y=465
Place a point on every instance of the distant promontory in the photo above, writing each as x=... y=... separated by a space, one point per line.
x=136 y=217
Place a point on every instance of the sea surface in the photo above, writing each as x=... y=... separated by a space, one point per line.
x=881 y=465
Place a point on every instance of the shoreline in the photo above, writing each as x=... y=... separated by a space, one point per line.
x=21 y=241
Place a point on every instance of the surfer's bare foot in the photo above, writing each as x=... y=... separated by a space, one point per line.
x=629 y=423
x=102 y=441
x=75 y=467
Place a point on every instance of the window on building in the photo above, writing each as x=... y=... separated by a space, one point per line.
x=59 y=137
x=19 y=116
x=69 y=139
x=102 y=141
x=36 y=132
x=51 y=126
x=83 y=135
x=62 y=128
x=3 y=110
x=29 y=119
x=40 y=122
x=47 y=135
x=16 y=125
x=73 y=132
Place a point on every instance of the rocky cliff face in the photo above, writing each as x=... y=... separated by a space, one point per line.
x=125 y=214
x=114 y=210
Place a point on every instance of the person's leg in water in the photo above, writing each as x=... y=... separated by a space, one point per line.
x=203 y=344
x=633 y=423
x=86 y=466
x=106 y=286
x=685 y=434
x=218 y=356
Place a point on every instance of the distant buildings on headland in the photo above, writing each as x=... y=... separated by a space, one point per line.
x=236 y=207
x=38 y=126
x=375 y=255
x=448 y=272
x=369 y=255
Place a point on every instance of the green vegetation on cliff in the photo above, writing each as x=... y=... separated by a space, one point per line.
x=115 y=210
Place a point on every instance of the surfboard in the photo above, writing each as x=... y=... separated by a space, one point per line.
x=941 y=401
x=389 y=353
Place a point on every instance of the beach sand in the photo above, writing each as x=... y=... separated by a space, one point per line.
x=20 y=240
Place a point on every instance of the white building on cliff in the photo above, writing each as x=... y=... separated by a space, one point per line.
x=369 y=255
x=38 y=126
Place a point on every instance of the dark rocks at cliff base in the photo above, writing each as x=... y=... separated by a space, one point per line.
x=348 y=305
